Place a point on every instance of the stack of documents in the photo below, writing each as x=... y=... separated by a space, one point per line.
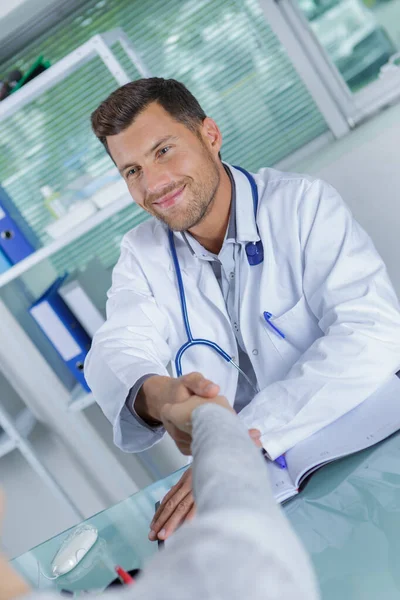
x=370 y=422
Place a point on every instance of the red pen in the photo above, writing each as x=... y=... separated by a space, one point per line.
x=124 y=576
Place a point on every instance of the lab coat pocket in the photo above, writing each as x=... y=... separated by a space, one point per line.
x=299 y=327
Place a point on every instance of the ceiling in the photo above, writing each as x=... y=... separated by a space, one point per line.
x=23 y=20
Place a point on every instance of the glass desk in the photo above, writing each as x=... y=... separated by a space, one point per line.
x=123 y=541
x=347 y=515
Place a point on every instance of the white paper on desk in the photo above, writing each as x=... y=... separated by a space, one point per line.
x=372 y=421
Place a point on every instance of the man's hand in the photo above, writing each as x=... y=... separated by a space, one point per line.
x=176 y=507
x=158 y=391
x=255 y=435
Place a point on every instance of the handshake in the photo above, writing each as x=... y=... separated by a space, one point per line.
x=171 y=402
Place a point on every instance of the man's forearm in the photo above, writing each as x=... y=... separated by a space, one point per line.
x=11 y=584
x=147 y=403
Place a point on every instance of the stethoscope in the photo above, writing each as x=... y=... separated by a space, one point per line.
x=255 y=256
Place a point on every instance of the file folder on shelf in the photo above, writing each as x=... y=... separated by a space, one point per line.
x=63 y=330
x=4 y=262
x=16 y=241
x=82 y=306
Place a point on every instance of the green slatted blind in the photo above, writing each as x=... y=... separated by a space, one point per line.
x=223 y=50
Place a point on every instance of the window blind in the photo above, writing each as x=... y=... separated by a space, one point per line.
x=223 y=50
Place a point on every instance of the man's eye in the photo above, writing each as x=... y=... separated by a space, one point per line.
x=164 y=150
x=132 y=172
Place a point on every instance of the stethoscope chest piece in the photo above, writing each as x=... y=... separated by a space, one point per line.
x=255 y=253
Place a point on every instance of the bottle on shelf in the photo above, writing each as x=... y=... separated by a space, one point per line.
x=53 y=202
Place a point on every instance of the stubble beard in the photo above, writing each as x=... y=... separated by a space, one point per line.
x=199 y=200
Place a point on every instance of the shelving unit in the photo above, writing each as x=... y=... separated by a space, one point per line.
x=79 y=399
x=99 y=45
x=24 y=424
x=20 y=361
x=79 y=231
x=14 y=436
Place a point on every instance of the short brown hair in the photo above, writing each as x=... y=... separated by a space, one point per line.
x=122 y=107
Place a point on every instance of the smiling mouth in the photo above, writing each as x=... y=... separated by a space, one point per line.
x=169 y=199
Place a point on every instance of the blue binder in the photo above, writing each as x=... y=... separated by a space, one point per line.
x=16 y=241
x=4 y=262
x=63 y=330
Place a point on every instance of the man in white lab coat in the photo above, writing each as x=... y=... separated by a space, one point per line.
x=319 y=282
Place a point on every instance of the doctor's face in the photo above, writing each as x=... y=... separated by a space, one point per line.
x=171 y=171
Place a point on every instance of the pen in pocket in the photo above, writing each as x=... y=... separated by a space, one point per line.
x=268 y=316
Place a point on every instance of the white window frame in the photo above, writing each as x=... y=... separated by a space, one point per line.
x=341 y=108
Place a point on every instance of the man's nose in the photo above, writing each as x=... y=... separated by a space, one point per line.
x=156 y=180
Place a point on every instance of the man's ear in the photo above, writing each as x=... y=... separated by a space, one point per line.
x=212 y=135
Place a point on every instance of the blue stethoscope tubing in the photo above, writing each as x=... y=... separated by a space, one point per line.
x=255 y=255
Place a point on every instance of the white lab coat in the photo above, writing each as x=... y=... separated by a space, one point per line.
x=322 y=280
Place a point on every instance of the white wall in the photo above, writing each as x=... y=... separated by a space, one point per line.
x=365 y=168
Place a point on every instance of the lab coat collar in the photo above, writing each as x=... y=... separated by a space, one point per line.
x=246 y=226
